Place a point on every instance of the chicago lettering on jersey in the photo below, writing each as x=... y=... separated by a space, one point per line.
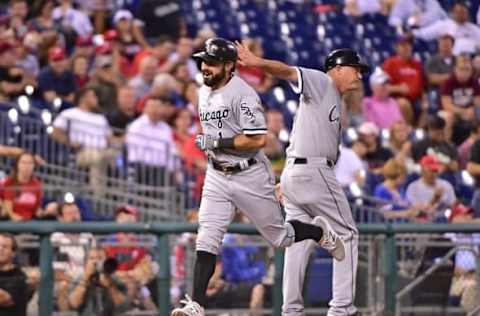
x=214 y=115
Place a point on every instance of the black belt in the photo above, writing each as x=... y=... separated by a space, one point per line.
x=231 y=168
x=304 y=161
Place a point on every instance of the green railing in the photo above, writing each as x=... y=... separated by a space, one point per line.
x=163 y=230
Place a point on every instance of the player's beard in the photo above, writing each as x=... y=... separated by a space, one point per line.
x=213 y=79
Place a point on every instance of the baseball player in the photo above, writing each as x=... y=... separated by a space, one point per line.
x=308 y=182
x=239 y=175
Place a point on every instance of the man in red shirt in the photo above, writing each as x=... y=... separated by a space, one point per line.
x=407 y=80
x=460 y=99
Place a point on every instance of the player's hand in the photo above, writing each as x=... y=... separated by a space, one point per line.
x=279 y=193
x=205 y=142
x=246 y=57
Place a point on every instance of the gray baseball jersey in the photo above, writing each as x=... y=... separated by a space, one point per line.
x=316 y=129
x=311 y=189
x=232 y=110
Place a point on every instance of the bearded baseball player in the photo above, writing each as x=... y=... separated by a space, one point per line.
x=239 y=175
x=308 y=182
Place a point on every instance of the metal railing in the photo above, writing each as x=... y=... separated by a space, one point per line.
x=163 y=230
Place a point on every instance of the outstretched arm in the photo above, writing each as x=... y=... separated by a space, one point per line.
x=273 y=67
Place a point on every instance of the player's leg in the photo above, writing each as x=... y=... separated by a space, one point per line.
x=295 y=265
x=216 y=213
x=253 y=192
x=332 y=204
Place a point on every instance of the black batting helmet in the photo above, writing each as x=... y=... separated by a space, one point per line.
x=218 y=50
x=345 y=57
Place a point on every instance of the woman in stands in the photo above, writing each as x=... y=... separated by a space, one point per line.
x=391 y=194
x=22 y=191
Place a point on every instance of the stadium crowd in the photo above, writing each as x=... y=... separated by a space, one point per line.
x=117 y=77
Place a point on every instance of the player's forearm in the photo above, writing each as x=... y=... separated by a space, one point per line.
x=247 y=142
x=278 y=69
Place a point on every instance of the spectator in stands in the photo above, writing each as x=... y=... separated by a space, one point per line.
x=142 y=82
x=124 y=113
x=254 y=76
x=350 y=167
x=184 y=138
x=27 y=61
x=361 y=7
x=161 y=18
x=406 y=79
x=106 y=78
x=80 y=71
x=84 y=47
x=135 y=266
x=432 y=194
x=150 y=143
x=414 y=13
x=182 y=55
x=277 y=138
x=56 y=80
x=163 y=85
x=70 y=251
x=400 y=144
x=72 y=19
x=376 y=155
x=391 y=193
x=85 y=130
x=436 y=144
x=162 y=48
x=17 y=17
x=473 y=167
x=13 y=284
x=460 y=100
x=22 y=191
x=440 y=66
x=129 y=35
x=11 y=76
x=466 y=34
x=380 y=108
x=96 y=292
x=464 y=150
x=464 y=287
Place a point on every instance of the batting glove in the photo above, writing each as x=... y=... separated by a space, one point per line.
x=205 y=142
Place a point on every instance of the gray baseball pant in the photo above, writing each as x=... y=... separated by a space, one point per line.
x=311 y=190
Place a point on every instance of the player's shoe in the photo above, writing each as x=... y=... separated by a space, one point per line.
x=330 y=239
x=190 y=308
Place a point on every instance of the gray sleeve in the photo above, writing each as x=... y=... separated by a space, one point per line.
x=310 y=81
x=251 y=115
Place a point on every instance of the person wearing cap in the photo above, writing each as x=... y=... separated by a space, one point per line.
x=464 y=288
x=129 y=35
x=466 y=34
x=84 y=47
x=150 y=145
x=380 y=108
x=406 y=79
x=376 y=155
x=106 y=78
x=312 y=154
x=460 y=99
x=56 y=80
x=434 y=194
